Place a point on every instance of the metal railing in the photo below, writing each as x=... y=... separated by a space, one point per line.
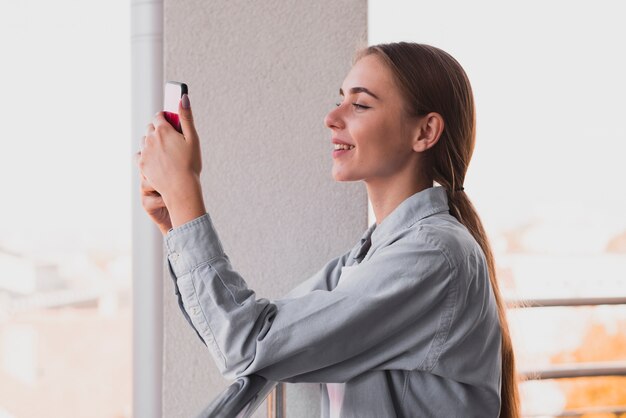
x=277 y=402
x=243 y=397
x=564 y=302
x=583 y=412
x=563 y=371
x=575 y=370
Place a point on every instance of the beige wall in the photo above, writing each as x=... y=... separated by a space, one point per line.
x=262 y=76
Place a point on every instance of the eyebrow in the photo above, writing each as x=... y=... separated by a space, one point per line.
x=354 y=90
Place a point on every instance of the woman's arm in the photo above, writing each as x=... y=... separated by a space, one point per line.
x=397 y=306
x=324 y=279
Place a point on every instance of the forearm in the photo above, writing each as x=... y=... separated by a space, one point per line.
x=184 y=201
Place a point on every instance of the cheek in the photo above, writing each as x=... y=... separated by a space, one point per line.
x=379 y=138
x=368 y=132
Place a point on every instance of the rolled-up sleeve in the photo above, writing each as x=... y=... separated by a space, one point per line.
x=395 y=308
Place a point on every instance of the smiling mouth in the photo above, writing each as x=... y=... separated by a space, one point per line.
x=339 y=152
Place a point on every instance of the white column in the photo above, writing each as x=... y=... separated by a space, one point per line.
x=147 y=87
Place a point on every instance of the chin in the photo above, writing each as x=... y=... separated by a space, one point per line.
x=341 y=177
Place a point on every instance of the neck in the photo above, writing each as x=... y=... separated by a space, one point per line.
x=387 y=194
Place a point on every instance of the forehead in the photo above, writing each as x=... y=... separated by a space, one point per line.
x=371 y=73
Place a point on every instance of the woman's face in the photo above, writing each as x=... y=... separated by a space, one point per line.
x=373 y=122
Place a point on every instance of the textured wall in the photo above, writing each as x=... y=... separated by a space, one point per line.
x=262 y=76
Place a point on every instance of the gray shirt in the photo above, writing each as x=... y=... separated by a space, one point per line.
x=403 y=325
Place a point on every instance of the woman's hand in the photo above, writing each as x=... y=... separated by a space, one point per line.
x=154 y=206
x=170 y=163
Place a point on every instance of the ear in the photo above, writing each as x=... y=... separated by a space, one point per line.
x=429 y=131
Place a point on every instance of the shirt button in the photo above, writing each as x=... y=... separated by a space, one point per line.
x=195 y=311
x=174 y=256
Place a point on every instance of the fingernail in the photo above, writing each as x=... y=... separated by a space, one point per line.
x=185 y=99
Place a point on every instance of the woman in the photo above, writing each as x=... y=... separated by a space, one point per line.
x=409 y=322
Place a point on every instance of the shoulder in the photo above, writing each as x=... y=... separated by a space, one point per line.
x=437 y=242
x=445 y=233
x=436 y=245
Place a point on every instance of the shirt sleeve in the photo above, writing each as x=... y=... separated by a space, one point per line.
x=325 y=279
x=396 y=306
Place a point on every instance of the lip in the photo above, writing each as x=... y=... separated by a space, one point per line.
x=339 y=141
x=339 y=152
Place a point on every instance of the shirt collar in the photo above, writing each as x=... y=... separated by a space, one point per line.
x=365 y=244
x=418 y=206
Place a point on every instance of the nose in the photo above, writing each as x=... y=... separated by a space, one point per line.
x=334 y=119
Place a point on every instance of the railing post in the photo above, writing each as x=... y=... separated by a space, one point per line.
x=276 y=402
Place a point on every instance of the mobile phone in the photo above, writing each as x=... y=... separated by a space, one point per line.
x=174 y=90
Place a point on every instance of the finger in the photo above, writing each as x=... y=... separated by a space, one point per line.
x=186 y=119
x=147 y=188
x=152 y=203
x=159 y=120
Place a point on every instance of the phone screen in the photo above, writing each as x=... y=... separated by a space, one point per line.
x=174 y=90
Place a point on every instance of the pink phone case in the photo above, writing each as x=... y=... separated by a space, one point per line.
x=174 y=90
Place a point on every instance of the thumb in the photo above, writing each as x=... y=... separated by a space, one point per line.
x=186 y=119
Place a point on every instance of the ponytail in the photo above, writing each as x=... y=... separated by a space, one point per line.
x=463 y=210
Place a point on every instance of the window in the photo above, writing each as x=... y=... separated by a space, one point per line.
x=65 y=323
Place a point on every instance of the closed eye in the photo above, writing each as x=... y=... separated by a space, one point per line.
x=356 y=106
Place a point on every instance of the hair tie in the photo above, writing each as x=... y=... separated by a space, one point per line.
x=460 y=189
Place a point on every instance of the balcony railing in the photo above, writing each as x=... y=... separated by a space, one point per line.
x=563 y=371
x=567 y=302
x=583 y=412
x=243 y=397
